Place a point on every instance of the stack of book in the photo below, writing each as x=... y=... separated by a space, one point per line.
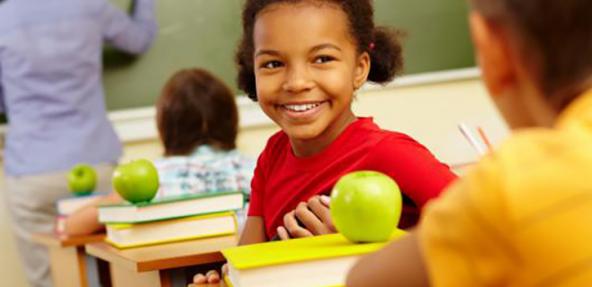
x=171 y=219
x=313 y=261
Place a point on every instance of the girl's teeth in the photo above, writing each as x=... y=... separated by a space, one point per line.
x=301 y=108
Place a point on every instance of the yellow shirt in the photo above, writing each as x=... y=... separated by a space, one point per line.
x=522 y=216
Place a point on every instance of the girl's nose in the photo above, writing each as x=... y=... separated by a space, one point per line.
x=297 y=80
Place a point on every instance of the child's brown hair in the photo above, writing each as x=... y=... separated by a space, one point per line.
x=555 y=38
x=381 y=43
x=196 y=108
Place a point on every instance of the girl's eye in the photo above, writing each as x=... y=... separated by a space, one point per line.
x=271 y=64
x=323 y=59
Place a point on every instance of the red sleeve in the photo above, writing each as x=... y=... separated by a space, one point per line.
x=418 y=173
x=260 y=175
x=257 y=188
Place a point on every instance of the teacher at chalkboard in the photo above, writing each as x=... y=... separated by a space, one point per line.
x=51 y=90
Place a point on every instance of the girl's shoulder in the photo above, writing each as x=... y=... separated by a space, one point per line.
x=368 y=133
x=380 y=143
x=366 y=127
x=397 y=137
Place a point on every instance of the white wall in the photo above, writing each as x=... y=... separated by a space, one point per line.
x=427 y=111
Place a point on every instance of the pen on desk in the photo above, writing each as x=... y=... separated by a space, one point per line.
x=485 y=139
x=474 y=141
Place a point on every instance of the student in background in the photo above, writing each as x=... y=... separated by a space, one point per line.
x=521 y=217
x=303 y=61
x=197 y=121
x=51 y=91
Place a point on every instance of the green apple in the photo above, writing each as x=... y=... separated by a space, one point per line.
x=82 y=179
x=366 y=206
x=136 y=181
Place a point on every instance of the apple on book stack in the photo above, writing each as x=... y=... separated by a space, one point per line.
x=142 y=221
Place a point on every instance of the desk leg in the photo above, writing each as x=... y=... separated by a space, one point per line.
x=104 y=273
x=124 y=277
x=62 y=260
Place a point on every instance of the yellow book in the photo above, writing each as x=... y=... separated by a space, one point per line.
x=313 y=261
x=123 y=235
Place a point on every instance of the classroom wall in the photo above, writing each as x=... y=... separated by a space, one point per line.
x=428 y=112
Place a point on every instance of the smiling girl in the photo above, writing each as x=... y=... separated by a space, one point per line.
x=303 y=61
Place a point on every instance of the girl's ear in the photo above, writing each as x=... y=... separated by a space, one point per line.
x=362 y=70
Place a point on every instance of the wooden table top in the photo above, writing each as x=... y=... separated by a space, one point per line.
x=165 y=256
x=54 y=240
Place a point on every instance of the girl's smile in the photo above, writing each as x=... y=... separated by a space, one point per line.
x=303 y=111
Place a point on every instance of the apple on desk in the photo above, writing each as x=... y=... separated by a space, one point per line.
x=366 y=206
x=136 y=181
x=82 y=179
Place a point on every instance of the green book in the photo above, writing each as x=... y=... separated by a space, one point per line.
x=313 y=261
x=171 y=207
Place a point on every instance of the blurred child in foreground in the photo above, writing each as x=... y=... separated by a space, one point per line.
x=522 y=216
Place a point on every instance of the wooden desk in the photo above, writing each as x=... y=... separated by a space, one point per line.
x=64 y=253
x=149 y=266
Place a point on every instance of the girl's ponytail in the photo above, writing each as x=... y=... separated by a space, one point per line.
x=386 y=55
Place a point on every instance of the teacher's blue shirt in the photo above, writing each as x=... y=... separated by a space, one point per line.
x=50 y=79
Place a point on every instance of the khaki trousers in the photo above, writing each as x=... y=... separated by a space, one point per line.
x=31 y=204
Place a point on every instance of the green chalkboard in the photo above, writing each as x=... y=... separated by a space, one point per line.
x=437 y=33
x=204 y=33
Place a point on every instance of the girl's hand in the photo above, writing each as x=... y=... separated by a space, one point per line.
x=308 y=219
x=211 y=277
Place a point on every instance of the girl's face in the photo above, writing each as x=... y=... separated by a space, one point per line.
x=307 y=69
